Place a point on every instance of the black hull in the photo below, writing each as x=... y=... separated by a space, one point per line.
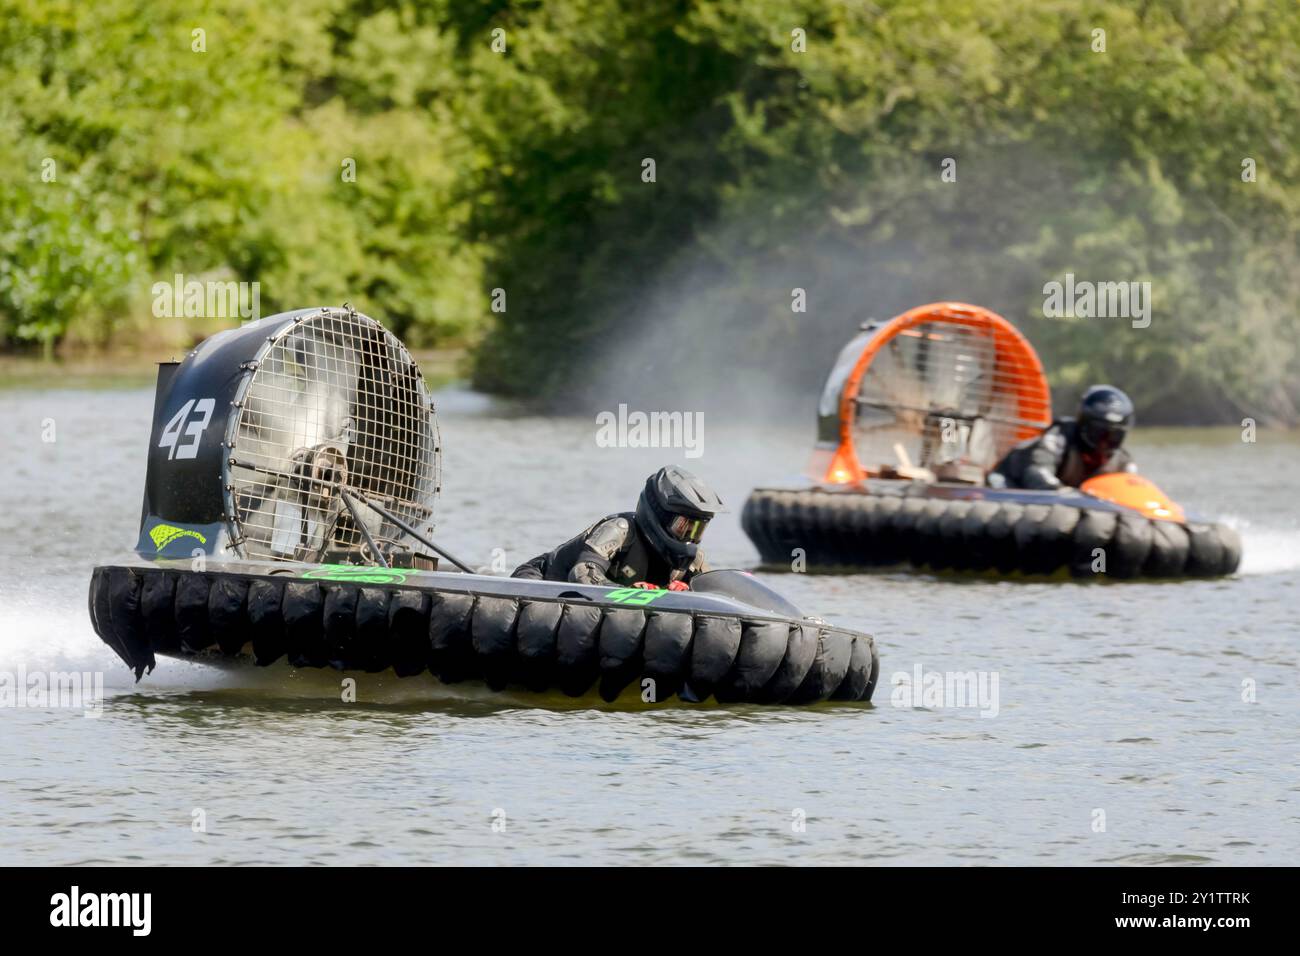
x=965 y=528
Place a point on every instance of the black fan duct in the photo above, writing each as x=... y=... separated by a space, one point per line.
x=289 y=438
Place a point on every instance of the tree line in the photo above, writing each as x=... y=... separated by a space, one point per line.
x=593 y=195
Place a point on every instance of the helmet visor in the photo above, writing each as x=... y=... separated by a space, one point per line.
x=1103 y=436
x=687 y=529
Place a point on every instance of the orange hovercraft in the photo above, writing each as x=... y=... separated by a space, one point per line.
x=915 y=413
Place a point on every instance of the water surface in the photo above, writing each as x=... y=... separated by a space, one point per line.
x=1124 y=699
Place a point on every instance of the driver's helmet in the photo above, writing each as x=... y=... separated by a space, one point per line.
x=1105 y=416
x=673 y=511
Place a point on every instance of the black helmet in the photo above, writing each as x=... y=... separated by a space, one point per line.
x=673 y=511
x=1105 y=416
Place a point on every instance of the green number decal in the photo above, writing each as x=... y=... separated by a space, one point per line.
x=637 y=597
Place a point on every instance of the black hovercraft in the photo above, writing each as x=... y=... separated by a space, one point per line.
x=288 y=513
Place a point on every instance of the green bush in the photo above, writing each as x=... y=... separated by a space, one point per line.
x=226 y=160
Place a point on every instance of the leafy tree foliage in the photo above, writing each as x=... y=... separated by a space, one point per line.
x=794 y=144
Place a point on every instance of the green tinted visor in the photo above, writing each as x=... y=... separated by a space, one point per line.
x=687 y=529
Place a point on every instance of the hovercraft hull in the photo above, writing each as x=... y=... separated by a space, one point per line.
x=538 y=635
x=962 y=527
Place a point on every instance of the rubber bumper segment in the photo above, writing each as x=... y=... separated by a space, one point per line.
x=577 y=648
x=227 y=618
x=620 y=645
x=667 y=650
x=303 y=603
x=266 y=629
x=829 y=667
x=759 y=654
x=714 y=647
x=118 y=616
x=451 y=645
x=408 y=624
x=492 y=634
x=536 y=634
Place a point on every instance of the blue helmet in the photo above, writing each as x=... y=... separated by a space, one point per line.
x=1105 y=416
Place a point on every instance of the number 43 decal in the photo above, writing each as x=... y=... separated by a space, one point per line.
x=178 y=429
x=636 y=596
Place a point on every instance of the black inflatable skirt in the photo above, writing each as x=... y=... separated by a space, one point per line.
x=539 y=635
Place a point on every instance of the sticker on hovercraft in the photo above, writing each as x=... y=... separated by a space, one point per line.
x=357 y=574
x=635 y=596
x=164 y=534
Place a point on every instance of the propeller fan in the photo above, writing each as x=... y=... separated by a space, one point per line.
x=335 y=415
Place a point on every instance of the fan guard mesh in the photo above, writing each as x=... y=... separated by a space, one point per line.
x=334 y=400
x=942 y=392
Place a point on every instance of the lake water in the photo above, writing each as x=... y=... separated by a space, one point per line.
x=1124 y=729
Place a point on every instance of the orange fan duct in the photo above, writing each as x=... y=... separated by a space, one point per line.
x=941 y=392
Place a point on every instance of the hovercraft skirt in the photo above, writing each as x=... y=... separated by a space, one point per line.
x=865 y=529
x=566 y=638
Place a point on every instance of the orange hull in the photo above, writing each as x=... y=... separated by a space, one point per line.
x=1136 y=492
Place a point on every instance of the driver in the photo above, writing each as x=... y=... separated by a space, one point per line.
x=1072 y=450
x=656 y=546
